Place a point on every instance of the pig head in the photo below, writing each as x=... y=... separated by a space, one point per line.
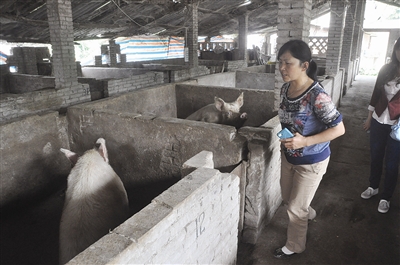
x=221 y=112
x=95 y=201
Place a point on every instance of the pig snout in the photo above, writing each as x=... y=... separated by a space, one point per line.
x=237 y=120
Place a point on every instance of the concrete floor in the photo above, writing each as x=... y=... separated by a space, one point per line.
x=347 y=229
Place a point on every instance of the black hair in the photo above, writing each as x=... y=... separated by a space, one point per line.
x=300 y=50
x=394 y=57
x=394 y=64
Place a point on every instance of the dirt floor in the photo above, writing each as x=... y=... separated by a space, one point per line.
x=347 y=229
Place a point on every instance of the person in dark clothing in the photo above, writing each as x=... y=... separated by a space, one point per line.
x=379 y=122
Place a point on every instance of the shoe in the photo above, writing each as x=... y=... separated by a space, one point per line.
x=383 y=206
x=311 y=213
x=368 y=193
x=279 y=254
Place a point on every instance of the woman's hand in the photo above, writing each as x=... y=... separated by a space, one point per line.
x=296 y=142
x=367 y=123
x=300 y=141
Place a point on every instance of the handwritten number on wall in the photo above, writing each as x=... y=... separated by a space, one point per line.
x=199 y=224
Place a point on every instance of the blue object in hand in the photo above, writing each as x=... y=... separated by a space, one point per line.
x=285 y=133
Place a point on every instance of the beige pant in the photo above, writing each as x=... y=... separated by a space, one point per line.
x=298 y=186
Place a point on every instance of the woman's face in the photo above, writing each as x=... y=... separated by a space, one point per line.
x=291 y=69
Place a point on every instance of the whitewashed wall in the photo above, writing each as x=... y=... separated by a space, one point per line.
x=193 y=222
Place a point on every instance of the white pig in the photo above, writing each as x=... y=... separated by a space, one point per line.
x=222 y=112
x=95 y=201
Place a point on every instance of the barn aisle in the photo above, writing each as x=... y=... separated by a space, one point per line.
x=347 y=229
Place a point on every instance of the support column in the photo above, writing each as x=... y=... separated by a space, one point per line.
x=348 y=43
x=59 y=15
x=113 y=50
x=243 y=25
x=335 y=36
x=294 y=19
x=393 y=36
x=358 y=29
x=192 y=36
x=357 y=36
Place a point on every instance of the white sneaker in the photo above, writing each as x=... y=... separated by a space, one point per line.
x=383 y=206
x=311 y=213
x=368 y=193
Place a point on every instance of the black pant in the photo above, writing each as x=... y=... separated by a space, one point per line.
x=383 y=146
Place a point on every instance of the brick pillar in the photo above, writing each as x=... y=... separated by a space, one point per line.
x=192 y=36
x=112 y=53
x=29 y=54
x=393 y=36
x=335 y=36
x=294 y=19
x=358 y=30
x=97 y=60
x=348 y=41
x=59 y=15
x=243 y=25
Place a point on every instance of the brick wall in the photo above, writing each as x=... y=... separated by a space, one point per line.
x=22 y=83
x=68 y=91
x=186 y=74
x=347 y=42
x=358 y=30
x=334 y=86
x=335 y=36
x=263 y=195
x=25 y=59
x=243 y=25
x=226 y=65
x=14 y=106
x=124 y=129
x=293 y=23
x=116 y=86
x=193 y=222
x=59 y=15
x=4 y=72
x=192 y=34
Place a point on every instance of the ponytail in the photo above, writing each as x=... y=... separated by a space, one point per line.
x=312 y=70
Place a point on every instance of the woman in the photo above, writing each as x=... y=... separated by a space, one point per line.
x=379 y=122
x=308 y=112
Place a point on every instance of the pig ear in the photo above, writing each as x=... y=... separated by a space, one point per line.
x=101 y=144
x=219 y=103
x=240 y=100
x=73 y=157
